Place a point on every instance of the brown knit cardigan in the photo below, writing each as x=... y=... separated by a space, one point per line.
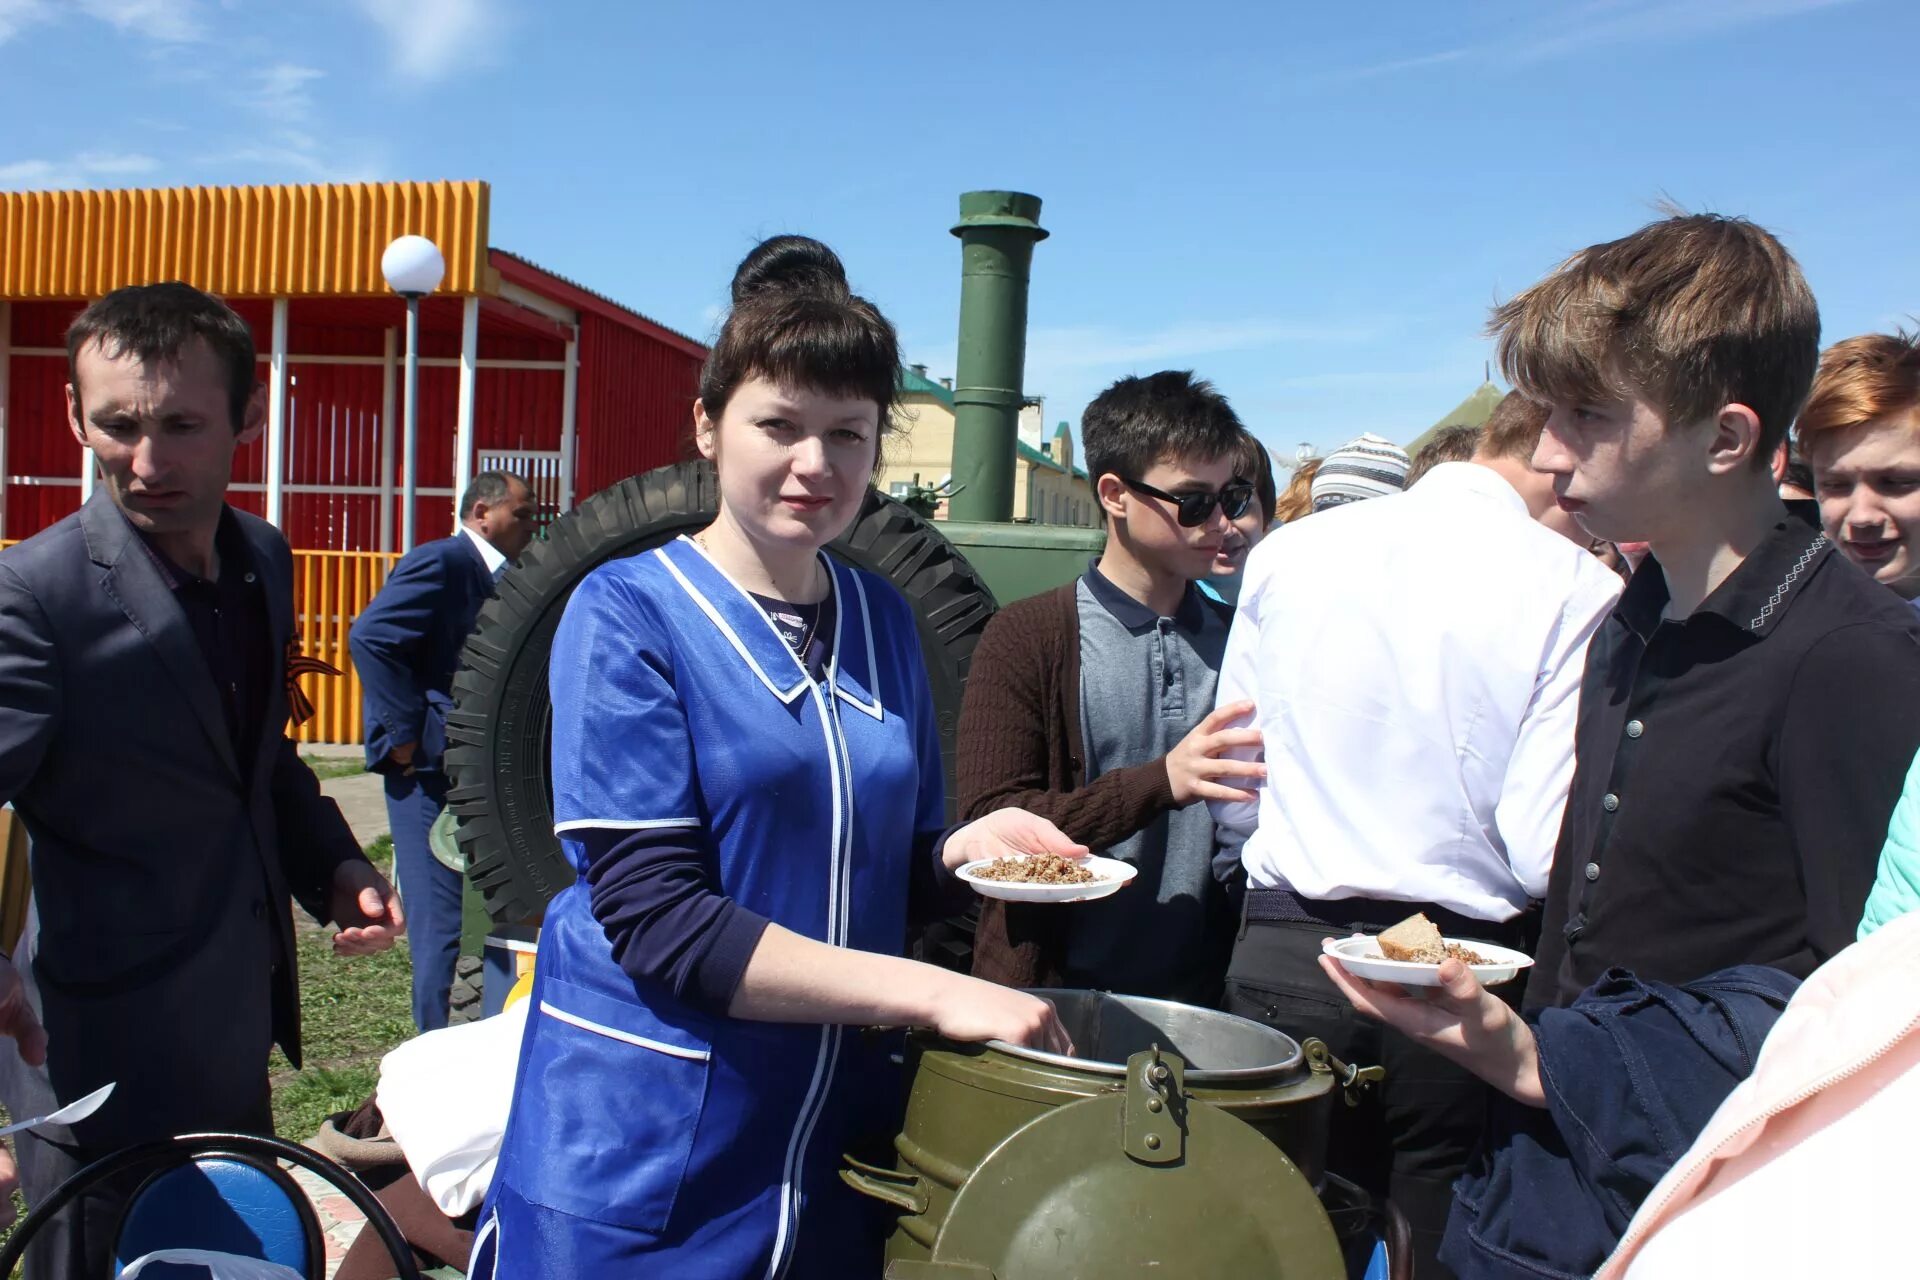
x=1019 y=746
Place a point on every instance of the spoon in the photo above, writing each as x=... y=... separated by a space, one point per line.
x=73 y=1111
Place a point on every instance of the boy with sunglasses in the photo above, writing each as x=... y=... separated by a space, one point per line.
x=1089 y=705
x=1416 y=660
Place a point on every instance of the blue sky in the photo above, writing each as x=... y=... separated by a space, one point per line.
x=1313 y=206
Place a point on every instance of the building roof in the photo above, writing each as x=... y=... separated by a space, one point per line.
x=1028 y=453
x=1471 y=412
x=914 y=383
x=319 y=239
x=581 y=298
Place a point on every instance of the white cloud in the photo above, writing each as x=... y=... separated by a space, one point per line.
x=1394 y=67
x=1059 y=349
x=1626 y=21
x=88 y=169
x=430 y=39
x=296 y=155
x=1569 y=29
x=164 y=21
x=17 y=15
x=281 y=91
x=168 y=21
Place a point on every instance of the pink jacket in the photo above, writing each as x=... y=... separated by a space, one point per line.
x=1809 y=1161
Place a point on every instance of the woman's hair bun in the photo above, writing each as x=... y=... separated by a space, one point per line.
x=790 y=265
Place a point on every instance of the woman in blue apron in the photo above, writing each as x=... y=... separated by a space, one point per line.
x=746 y=776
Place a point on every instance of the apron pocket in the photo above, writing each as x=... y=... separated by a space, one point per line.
x=607 y=1110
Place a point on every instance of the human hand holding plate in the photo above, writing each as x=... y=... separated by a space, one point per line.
x=1007 y=833
x=1456 y=1018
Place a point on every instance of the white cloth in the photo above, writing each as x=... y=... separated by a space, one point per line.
x=218 y=1266
x=1415 y=662
x=451 y=1136
x=489 y=555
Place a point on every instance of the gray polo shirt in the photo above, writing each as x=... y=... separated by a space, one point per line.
x=1145 y=682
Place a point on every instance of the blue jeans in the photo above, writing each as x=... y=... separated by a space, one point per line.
x=429 y=891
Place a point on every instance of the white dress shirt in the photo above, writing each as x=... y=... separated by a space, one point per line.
x=489 y=554
x=1415 y=661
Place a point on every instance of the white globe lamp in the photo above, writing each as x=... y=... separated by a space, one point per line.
x=413 y=266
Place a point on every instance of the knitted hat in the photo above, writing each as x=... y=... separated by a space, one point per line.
x=1365 y=468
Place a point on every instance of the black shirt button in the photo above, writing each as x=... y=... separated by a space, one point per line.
x=1593 y=871
x=259 y=909
x=1635 y=728
x=1610 y=802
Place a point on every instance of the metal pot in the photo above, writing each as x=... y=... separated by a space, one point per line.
x=1178 y=1141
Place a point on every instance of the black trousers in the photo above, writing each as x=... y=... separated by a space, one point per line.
x=1412 y=1134
x=78 y=1243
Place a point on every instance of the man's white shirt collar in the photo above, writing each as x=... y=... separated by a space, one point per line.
x=489 y=554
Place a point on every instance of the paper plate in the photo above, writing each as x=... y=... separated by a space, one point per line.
x=1109 y=875
x=1360 y=956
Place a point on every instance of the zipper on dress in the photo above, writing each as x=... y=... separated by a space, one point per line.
x=841 y=873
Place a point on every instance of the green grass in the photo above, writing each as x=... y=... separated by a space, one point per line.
x=352 y=1010
x=325 y=767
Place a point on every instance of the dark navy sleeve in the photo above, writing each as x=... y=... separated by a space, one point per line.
x=933 y=890
x=386 y=640
x=653 y=893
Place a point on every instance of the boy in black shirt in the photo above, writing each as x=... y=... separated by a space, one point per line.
x=1750 y=708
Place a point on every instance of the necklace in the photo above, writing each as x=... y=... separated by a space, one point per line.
x=813 y=623
x=806 y=641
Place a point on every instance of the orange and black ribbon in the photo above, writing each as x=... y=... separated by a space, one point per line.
x=299 y=706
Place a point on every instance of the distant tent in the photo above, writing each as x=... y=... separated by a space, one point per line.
x=1471 y=412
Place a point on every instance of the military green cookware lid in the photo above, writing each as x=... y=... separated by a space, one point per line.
x=1144 y=1181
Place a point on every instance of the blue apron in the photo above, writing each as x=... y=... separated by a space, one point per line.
x=649 y=1138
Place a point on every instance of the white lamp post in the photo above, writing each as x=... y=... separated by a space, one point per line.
x=413 y=267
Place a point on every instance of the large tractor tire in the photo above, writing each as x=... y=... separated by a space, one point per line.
x=500 y=731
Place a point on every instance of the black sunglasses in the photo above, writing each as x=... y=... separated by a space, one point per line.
x=1196 y=508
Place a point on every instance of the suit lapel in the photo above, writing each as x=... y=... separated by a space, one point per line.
x=133 y=581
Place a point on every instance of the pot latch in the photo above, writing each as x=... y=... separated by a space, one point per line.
x=1352 y=1079
x=1155 y=1128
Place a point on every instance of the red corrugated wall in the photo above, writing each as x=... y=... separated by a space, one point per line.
x=636 y=404
x=38 y=442
x=635 y=412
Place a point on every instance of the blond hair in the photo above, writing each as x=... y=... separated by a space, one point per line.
x=1695 y=311
x=1297 y=499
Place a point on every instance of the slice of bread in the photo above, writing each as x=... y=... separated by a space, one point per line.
x=1414 y=939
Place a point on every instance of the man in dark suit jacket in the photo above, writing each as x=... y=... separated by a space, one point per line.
x=144 y=643
x=406 y=645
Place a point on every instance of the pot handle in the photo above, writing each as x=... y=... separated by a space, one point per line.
x=1352 y=1079
x=901 y=1190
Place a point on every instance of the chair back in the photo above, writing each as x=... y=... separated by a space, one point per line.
x=224 y=1194
x=225 y=1202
